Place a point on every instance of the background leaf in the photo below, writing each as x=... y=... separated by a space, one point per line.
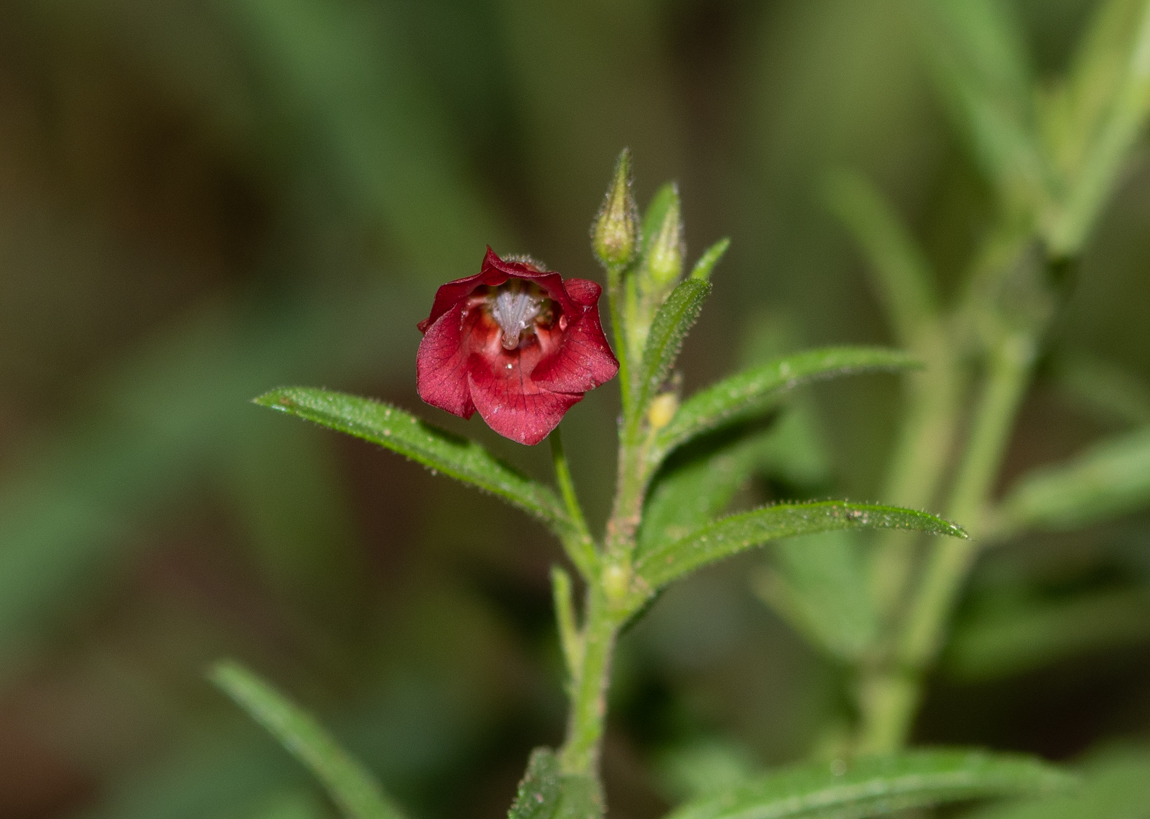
x=401 y=432
x=878 y=785
x=350 y=786
x=1111 y=478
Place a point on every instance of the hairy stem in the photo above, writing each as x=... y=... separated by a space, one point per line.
x=581 y=751
x=579 y=545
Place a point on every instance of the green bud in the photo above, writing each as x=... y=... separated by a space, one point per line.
x=665 y=258
x=615 y=235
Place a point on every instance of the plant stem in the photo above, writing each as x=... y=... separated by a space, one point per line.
x=615 y=302
x=950 y=561
x=580 y=546
x=581 y=751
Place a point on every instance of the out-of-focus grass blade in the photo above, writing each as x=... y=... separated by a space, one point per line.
x=1125 y=98
x=901 y=273
x=672 y=323
x=540 y=789
x=1115 y=785
x=877 y=786
x=1111 y=393
x=1109 y=479
x=438 y=450
x=1017 y=638
x=977 y=49
x=819 y=585
x=349 y=784
x=728 y=536
x=757 y=388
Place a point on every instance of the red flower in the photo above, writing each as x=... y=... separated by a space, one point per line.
x=517 y=343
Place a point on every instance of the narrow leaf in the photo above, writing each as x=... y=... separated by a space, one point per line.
x=437 y=449
x=1109 y=479
x=1115 y=785
x=678 y=313
x=540 y=788
x=1107 y=391
x=730 y=535
x=756 y=389
x=902 y=275
x=878 y=785
x=710 y=258
x=1110 y=146
x=350 y=786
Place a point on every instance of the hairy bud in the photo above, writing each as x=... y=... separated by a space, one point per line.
x=616 y=233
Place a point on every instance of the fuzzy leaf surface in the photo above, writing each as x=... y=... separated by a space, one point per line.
x=674 y=319
x=437 y=449
x=349 y=784
x=540 y=788
x=756 y=389
x=731 y=535
x=877 y=786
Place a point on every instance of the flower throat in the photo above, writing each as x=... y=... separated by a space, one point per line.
x=516 y=307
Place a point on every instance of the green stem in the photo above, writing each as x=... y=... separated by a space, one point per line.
x=950 y=560
x=580 y=546
x=925 y=444
x=580 y=753
x=615 y=301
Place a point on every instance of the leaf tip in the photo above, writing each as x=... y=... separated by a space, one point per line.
x=278 y=399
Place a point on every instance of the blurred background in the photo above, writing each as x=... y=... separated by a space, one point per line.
x=201 y=201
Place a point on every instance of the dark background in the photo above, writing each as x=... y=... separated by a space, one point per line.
x=203 y=200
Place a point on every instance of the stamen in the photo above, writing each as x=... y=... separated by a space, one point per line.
x=515 y=310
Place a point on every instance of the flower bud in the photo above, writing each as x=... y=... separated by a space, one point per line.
x=665 y=258
x=615 y=235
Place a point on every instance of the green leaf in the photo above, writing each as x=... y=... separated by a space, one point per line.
x=902 y=275
x=350 y=786
x=676 y=316
x=1109 y=479
x=438 y=450
x=1115 y=785
x=728 y=536
x=700 y=480
x=878 y=785
x=540 y=788
x=756 y=389
x=977 y=49
x=1021 y=636
x=711 y=257
x=819 y=585
x=1109 y=103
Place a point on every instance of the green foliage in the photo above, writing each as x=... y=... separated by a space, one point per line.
x=666 y=562
x=674 y=319
x=540 y=789
x=819 y=585
x=903 y=278
x=1022 y=635
x=1115 y=785
x=1109 y=479
x=755 y=390
x=438 y=450
x=350 y=786
x=710 y=258
x=876 y=786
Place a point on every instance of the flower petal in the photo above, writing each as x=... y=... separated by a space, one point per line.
x=583 y=359
x=441 y=364
x=511 y=403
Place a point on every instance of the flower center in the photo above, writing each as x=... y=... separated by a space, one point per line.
x=515 y=308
